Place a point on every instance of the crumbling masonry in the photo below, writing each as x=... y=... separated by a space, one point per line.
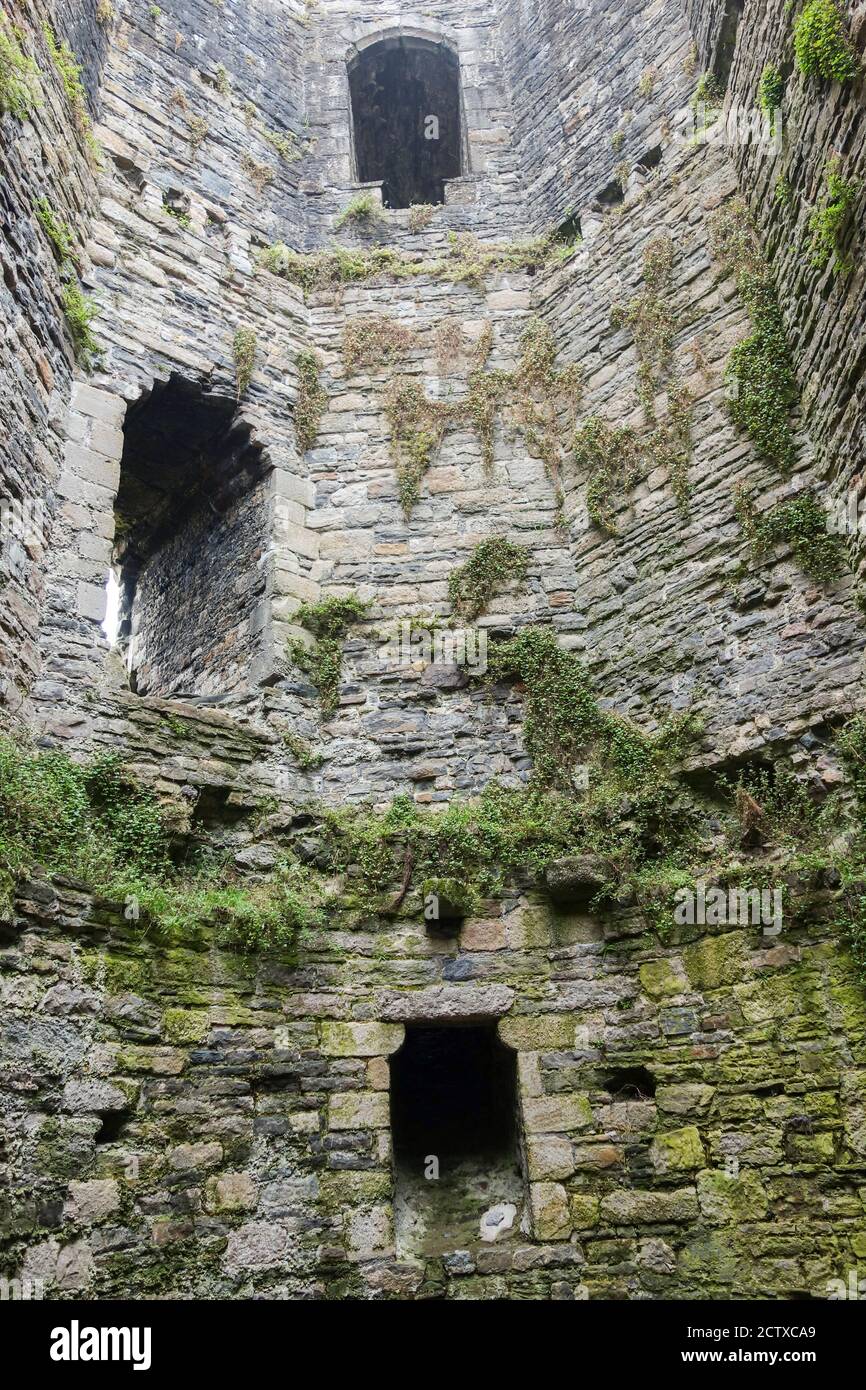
x=252 y=423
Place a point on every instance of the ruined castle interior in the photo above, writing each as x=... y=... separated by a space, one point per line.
x=328 y=969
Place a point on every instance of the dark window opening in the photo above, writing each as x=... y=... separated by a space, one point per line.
x=610 y=196
x=631 y=1083
x=113 y=1124
x=651 y=160
x=443 y=916
x=457 y=1155
x=568 y=232
x=723 y=58
x=190 y=536
x=405 y=96
x=453 y=1093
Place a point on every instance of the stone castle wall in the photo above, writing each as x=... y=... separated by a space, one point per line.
x=203 y=1123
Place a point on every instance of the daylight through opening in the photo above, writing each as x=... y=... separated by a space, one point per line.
x=405 y=96
x=190 y=535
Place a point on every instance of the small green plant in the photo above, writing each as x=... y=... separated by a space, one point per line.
x=286 y=145
x=244 y=354
x=771 y=90
x=609 y=454
x=70 y=74
x=104 y=12
x=708 y=96
x=851 y=744
x=223 y=84
x=155 y=13
x=80 y=312
x=59 y=233
x=197 y=130
x=19 y=74
x=259 y=174
x=420 y=216
x=178 y=215
x=822 y=47
x=303 y=752
x=782 y=191
x=362 y=210
x=800 y=523
x=617 y=140
x=491 y=565
x=647 y=83
x=827 y=224
x=312 y=401
x=329 y=621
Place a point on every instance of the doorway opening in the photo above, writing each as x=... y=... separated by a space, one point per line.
x=457 y=1157
x=405 y=95
x=190 y=535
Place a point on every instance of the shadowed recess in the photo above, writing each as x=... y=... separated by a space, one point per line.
x=406 y=117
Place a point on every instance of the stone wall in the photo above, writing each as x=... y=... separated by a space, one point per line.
x=43 y=158
x=184 y=1119
x=188 y=1122
x=823 y=313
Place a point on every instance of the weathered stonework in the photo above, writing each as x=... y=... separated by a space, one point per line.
x=184 y=1119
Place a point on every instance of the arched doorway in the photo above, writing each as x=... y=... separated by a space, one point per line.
x=405 y=94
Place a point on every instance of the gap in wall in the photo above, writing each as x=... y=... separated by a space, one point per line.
x=454 y=1112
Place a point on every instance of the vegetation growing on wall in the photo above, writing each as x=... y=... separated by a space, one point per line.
x=651 y=320
x=259 y=174
x=493 y=563
x=80 y=311
x=827 y=224
x=822 y=47
x=420 y=216
x=417 y=427
x=609 y=454
x=19 y=75
x=362 y=211
x=563 y=722
x=244 y=354
x=312 y=401
x=59 y=233
x=465 y=261
x=800 y=523
x=374 y=342
x=94 y=822
x=284 y=142
x=539 y=397
x=69 y=70
x=670 y=444
x=763 y=385
x=197 y=130
x=708 y=97
x=771 y=90
x=329 y=622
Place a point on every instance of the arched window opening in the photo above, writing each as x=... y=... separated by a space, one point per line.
x=190 y=527
x=406 y=118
